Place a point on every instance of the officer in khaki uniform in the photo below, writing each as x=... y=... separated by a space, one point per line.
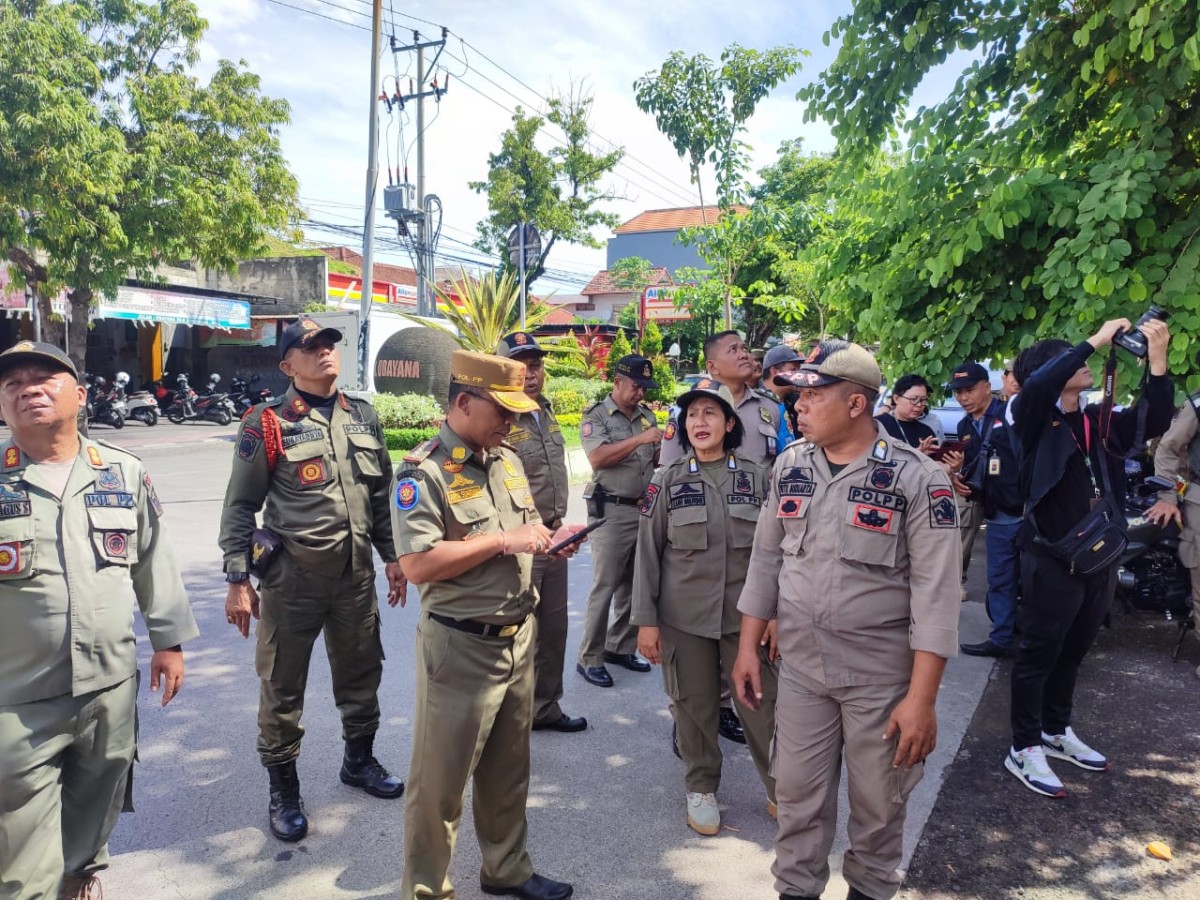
x=81 y=542
x=694 y=542
x=621 y=438
x=467 y=532
x=858 y=556
x=729 y=361
x=317 y=459
x=1177 y=459
x=537 y=439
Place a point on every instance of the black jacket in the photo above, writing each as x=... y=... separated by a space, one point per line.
x=999 y=460
x=1046 y=446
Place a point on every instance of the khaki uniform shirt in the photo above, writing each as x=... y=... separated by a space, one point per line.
x=445 y=492
x=760 y=426
x=539 y=443
x=72 y=570
x=694 y=543
x=604 y=423
x=1172 y=459
x=327 y=496
x=860 y=568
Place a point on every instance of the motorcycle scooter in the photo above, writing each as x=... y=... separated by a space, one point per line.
x=140 y=405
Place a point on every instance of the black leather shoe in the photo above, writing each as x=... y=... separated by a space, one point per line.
x=630 y=661
x=856 y=894
x=533 y=888
x=675 y=740
x=564 y=723
x=361 y=769
x=286 y=812
x=987 y=648
x=797 y=897
x=597 y=675
x=730 y=727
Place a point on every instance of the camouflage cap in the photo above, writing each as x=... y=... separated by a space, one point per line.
x=834 y=361
x=501 y=379
x=37 y=352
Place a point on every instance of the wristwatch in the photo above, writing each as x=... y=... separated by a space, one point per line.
x=237 y=577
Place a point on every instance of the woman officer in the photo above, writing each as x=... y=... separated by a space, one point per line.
x=694 y=543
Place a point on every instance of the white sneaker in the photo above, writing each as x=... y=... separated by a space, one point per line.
x=703 y=814
x=1031 y=768
x=1069 y=747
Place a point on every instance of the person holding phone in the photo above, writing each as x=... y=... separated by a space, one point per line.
x=694 y=542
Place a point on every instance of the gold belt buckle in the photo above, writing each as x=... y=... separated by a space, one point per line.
x=508 y=630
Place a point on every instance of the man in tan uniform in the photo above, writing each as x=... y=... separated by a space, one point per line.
x=621 y=438
x=467 y=532
x=81 y=542
x=729 y=361
x=858 y=556
x=538 y=440
x=1177 y=458
x=316 y=458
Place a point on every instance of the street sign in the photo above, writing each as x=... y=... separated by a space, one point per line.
x=533 y=246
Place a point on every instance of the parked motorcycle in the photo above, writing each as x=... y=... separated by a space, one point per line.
x=140 y=405
x=187 y=406
x=244 y=397
x=105 y=406
x=1150 y=576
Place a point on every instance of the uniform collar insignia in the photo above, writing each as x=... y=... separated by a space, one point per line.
x=731 y=461
x=880 y=450
x=693 y=468
x=94 y=460
x=12 y=457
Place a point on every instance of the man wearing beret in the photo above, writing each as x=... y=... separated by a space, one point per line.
x=316 y=459
x=467 y=534
x=81 y=542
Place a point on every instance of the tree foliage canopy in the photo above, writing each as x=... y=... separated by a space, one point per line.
x=1055 y=187
x=560 y=190
x=114 y=157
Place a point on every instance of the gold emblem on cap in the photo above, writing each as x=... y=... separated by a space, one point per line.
x=23 y=346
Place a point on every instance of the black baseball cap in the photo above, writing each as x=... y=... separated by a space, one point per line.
x=779 y=355
x=519 y=343
x=37 y=352
x=966 y=375
x=637 y=369
x=302 y=333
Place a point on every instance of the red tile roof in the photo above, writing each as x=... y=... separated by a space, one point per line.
x=560 y=316
x=379 y=271
x=674 y=219
x=602 y=282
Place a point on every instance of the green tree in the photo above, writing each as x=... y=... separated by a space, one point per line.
x=620 y=347
x=652 y=341
x=702 y=107
x=114 y=158
x=480 y=311
x=630 y=316
x=560 y=191
x=1056 y=186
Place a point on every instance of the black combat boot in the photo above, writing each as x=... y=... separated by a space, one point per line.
x=361 y=769
x=288 y=822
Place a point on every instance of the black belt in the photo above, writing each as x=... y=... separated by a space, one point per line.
x=621 y=501
x=483 y=629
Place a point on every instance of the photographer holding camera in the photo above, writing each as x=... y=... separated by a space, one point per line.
x=1072 y=481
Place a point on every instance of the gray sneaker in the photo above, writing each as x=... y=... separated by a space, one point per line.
x=703 y=814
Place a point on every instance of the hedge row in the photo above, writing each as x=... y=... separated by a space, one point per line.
x=573 y=420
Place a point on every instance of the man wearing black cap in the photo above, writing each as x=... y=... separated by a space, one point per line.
x=621 y=438
x=782 y=360
x=539 y=442
x=81 y=541
x=317 y=460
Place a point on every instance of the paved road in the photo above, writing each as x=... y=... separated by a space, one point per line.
x=606 y=806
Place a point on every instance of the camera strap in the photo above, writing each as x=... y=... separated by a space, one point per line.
x=1106 y=408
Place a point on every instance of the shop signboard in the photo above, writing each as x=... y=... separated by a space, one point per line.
x=173 y=308
x=658 y=305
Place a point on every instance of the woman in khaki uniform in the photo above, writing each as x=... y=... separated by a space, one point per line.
x=694 y=543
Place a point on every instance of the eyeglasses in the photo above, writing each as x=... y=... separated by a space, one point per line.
x=916 y=401
x=504 y=412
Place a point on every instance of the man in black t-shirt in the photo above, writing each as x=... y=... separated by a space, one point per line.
x=1061 y=449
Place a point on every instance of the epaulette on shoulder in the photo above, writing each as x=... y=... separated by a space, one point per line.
x=799 y=443
x=420 y=453
x=122 y=450
x=588 y=409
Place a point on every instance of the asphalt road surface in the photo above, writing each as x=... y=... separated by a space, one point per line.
x=606 y=806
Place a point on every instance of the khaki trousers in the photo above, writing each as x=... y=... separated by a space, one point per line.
x=550 y=579
x=297 y=605
x=471 y=720
x=970 y=517
x=613 y=549
x=693 y=670
x=815 y=728
x=64 y=766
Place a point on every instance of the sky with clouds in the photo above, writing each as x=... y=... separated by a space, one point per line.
x=316 y=55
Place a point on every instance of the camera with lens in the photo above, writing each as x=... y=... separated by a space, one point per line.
x=1133 y=340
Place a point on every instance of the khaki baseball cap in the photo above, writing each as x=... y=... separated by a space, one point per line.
x=834 y=361
x=501 y=379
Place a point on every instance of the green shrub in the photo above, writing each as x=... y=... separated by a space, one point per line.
x=565 y=365
x=574 y=420
x=407 y=410
x=407 y=438
x=565 y=393
x=666 y=390
x=566 y=400
x=620 y=347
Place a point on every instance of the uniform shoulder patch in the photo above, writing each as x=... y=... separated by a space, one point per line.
x=421 y=452
x=407 y=493
x=649 y=498
x=943 y=511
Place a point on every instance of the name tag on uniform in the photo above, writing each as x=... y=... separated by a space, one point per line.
x=884 y=499
x=747 y=499
x=302 y=437
x=109 y=500
x=518 y=435
x=14 y=503
x=689 y=493
x=357 y=429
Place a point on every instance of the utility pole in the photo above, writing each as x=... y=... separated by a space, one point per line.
x=416 y=219
x=368 y=276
